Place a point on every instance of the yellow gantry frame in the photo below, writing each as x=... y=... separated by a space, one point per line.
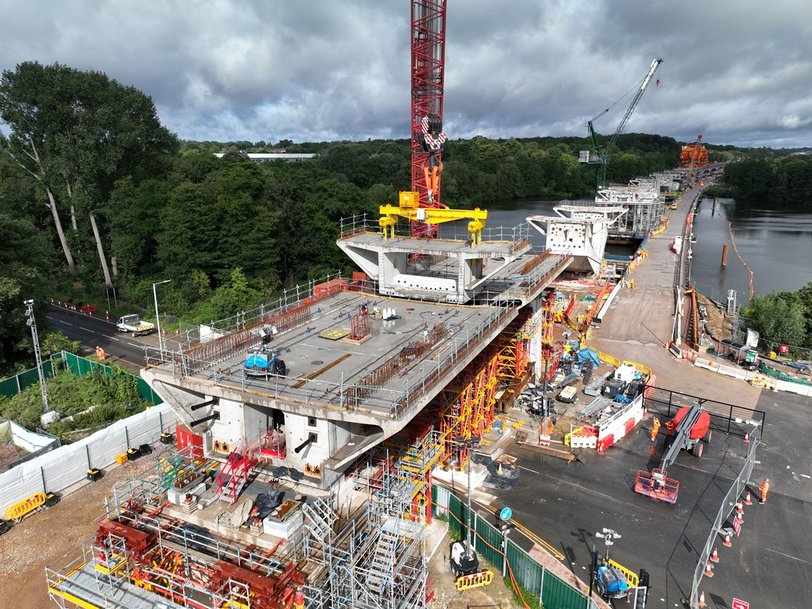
x=408 y=208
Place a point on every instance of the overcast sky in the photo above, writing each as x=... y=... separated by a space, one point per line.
x=737 y=71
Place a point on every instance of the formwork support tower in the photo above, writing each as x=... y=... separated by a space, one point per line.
x=428 y=67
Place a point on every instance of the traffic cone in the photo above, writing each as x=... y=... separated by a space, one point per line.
x=746 y=438
x=701 y=603
x=708 y=570
x=747 y=499
x=714 y=557
x=740 y=512
x=727 y=543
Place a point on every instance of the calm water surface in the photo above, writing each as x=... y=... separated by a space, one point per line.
x=776 y=244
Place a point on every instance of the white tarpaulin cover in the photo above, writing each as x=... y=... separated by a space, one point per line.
x=66 y=465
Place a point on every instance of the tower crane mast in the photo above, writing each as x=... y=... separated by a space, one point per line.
x=427 y=74
x=602 y=157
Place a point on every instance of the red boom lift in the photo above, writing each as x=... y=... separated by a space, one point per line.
x=687 y=430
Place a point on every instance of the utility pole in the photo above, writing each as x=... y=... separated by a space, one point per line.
x=32 y=323
x=469 y=443
x=157 y=316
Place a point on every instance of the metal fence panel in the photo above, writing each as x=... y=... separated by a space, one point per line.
x=556 y=593
x=66 y=465
x=526 y=570
x=559 y=594
x=9 y=387
x=489 y=543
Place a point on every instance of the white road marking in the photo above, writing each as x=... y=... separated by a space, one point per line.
x=806 y=476
x=789 y=556
x=527 y=469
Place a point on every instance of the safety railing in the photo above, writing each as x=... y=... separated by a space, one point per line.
x=455 y=231
x=732 y=497
x=463 y=343
x=725 y=417
x=507 y=556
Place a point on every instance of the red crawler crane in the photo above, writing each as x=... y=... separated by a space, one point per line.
x=428 y=67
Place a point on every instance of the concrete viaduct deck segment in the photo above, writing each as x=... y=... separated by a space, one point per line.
x=448 y=270
x=348 y=396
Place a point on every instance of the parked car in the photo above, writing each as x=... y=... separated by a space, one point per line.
x=801 y=367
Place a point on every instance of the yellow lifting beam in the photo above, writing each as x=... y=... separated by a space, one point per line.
x=408 y=208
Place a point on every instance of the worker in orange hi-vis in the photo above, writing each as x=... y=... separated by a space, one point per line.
x=764 y=489
x=655 y=427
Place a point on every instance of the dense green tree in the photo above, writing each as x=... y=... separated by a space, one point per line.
x=779 y=316
x=22 y=255
x=235 y=295
x=77 y=133
x=135 y=224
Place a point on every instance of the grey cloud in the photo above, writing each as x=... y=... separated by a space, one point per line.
x=267 y=70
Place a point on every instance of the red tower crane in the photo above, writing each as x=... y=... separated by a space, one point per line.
x=428 y=67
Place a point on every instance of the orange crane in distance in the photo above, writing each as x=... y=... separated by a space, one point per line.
x=696 y=152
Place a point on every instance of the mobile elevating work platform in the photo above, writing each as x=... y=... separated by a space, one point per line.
x=689 y=430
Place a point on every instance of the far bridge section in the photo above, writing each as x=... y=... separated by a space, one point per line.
x=334 y=370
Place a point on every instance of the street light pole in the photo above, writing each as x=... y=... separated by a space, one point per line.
x=157 y=316
x=32 y=323
x=469 y=443
x=608 y=536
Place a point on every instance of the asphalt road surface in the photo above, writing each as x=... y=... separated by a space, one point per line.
x=121 y=349
x=769 y=565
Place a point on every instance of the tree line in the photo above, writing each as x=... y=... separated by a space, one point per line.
x=783 y=318
x=95 y=194
x=777 y=181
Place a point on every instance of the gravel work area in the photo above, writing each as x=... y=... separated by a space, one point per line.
x=46 y=536
x=9 y=453
x=446 y=596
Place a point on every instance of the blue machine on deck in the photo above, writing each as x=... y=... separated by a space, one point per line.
x=264 y=363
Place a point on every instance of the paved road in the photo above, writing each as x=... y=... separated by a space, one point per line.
x=770 y=563
x=638 y=325
x=121 y=349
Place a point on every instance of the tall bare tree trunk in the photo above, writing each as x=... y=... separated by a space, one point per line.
x=58 y=223
x=107 y=279
x=51 y=204
x=72 y=207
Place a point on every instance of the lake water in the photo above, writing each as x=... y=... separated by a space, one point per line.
x=777 y=245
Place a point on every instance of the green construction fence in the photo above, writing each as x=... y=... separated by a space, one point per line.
x=764 y=368
x=76 y=365
x=551 y=590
